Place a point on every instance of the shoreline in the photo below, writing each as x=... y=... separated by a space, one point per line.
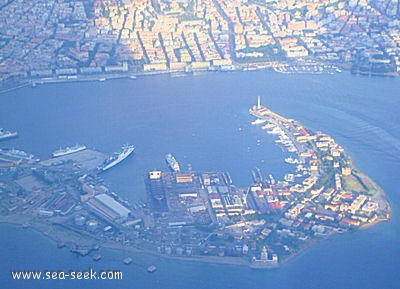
x=102 y=77
x=237 y=261
x=40 y=228
x=225 y=260
x=236 y=67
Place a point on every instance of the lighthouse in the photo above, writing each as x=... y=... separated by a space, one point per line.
x=264 y=255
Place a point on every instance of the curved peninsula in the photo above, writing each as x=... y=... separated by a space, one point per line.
x=199 y=216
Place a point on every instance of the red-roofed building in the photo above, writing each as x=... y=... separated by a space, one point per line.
x=303 y=131
x=349 y=222
x=284 y=192
x=214 y=196
x=346 y=196
x=275 y=206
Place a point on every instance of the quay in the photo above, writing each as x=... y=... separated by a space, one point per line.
x=87 y=160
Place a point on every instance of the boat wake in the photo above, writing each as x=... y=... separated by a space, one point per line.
x=370 y=134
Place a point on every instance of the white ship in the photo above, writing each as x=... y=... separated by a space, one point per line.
x=18 y=154
x=116 y=158
x=172 y=163
x=5 y=134
x=68 y=150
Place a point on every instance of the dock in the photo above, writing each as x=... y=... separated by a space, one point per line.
x=87 y=160
x=79 y=251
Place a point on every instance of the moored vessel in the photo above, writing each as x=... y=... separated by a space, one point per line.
x=116 y=158
x=68 y=150
x=5 y=134
x=258 y=121
x=172 y=162
x=290 y=160
x=19 y=155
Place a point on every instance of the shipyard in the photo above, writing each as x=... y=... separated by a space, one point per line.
x=195 y=215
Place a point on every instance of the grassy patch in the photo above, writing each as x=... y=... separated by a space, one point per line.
x=351 y=183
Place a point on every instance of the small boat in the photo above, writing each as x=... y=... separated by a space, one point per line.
x=127 y=260
x=258 y=121
x=151 y=269
x=96 y=257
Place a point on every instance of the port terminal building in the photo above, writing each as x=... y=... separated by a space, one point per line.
x=109 y=208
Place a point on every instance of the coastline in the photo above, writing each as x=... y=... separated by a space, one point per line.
x=232 y=261
x=225 y=260
x=101 y=77
x=242 y=67
x=24 y=222
x=46 y=232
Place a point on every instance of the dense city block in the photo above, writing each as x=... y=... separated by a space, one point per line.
x=79 y=40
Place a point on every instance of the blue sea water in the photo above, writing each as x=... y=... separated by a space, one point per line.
x=203 y=120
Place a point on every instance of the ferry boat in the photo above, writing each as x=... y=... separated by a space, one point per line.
x=5 y=134
x=19 y=154
x=68 y=150
x=116 y=158
x=172 y=163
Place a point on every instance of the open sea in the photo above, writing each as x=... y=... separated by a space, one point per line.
x=203 y=121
